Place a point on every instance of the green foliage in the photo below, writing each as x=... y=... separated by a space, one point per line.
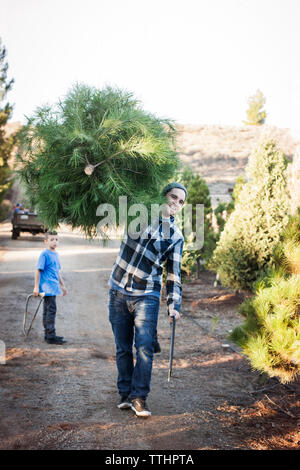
x=222 y=212
x=198 y=193
x=188 y=262
x=270 y=335
x=131 y=152
x=240 y=181
x=255 y=113
x=254 y=227
x=6 y=143
x=185 y=175
x=224 y=209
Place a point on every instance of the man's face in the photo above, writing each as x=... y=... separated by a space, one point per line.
x=175 y=201
x=51 y=242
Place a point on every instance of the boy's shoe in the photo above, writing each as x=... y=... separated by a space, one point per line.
x=157 y=348
x=125 y=403
x=56 y=340
x=57 y=337
x=140 y=408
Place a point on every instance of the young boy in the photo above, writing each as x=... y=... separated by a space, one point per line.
x=49 y=281
x=134 y=298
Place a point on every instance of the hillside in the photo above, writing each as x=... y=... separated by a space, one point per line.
x=12 y=127
x=220 y=153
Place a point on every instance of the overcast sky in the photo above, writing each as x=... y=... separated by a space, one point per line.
x=195 y=61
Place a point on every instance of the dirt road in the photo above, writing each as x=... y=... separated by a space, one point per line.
x=65 y=397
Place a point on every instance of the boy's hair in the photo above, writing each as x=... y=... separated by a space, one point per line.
x=50 y=232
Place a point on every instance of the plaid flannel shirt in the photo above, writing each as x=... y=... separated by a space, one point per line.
x=139 y=266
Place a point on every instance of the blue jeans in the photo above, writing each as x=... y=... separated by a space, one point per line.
x=49 y=315
x=133 y=318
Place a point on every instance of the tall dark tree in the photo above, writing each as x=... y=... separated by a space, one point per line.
x=6 y=143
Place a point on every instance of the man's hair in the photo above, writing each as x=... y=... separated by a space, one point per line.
x=50 y=232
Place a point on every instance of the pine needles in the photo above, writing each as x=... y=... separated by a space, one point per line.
x=91 y=148
x=270 y=336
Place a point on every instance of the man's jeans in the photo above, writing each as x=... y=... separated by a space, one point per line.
x=49 y=316
x=133 y=317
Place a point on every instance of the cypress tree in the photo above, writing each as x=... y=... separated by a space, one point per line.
x=254 y=227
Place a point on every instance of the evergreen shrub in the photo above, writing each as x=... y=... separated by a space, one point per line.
x=253 y=229
x=270 y=335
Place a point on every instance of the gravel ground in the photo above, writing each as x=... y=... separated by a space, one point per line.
x=65 y=397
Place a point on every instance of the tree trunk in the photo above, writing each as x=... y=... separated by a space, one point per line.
x=198 y=267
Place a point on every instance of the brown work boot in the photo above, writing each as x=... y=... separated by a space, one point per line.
x=140 y=408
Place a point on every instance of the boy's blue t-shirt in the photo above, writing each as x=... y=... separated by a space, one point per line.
x=49 y=266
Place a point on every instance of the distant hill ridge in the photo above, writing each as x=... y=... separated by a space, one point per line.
x=219 y=154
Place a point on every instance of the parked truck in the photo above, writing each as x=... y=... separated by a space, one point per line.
x=26 y=222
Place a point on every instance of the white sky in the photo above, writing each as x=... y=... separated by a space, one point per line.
x=195 y=61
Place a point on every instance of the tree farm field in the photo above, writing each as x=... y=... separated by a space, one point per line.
x=65 y=397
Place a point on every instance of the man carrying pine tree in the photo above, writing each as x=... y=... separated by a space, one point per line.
x=134 y=297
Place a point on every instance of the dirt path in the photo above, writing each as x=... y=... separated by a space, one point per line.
x=64 y=397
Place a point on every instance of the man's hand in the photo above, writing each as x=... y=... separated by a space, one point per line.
x=173 y=313
x=36 y=292
x=64 y=290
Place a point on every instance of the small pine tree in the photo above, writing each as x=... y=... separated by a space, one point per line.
x=198 y=193
x=256 y=115
x=253 y=228
x=270 y=335
x=6 y=143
